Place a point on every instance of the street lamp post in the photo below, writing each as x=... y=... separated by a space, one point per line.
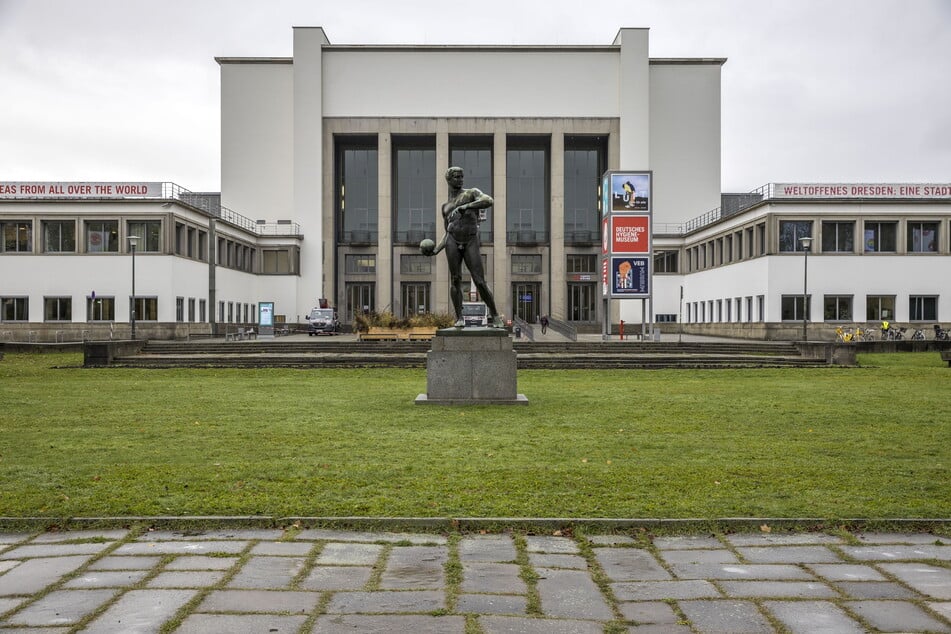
x=133 y=240
x=806 y=242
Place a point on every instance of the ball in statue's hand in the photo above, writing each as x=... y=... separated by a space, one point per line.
x=427 y=246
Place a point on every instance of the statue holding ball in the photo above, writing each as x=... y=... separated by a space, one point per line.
x=461 y=218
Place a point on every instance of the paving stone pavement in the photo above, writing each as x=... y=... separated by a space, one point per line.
x=326 y=581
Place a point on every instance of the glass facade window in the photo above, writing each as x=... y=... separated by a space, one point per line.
x=59 y=236
x=881 y=236
x=17 y=236
x=923 y=308
x=15 y=308
x=789 y=233
x=57 y=309
x=879 y=307
x=526 y=264
x=415 y=190
x=101 y=309
x=792 y=308
x=838 y=237
x=585 y=160
x=415 y=264
x=527 y=191
x=357 y=173
x=150 y=235
x=837 y=308
x=474 y=156
x=581 y=263
x=922 y=237
x=102 y=236
x=360 y=263
x=665 y=261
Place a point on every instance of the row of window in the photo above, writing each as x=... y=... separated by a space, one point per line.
x=103 y=236
x=414 y=178
x=146 y=309
x=835 y=308
x=878 y=236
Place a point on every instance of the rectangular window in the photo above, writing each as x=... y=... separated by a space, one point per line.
x=191 y=309
x=57 y=309
x=179 y=309
x=146 y=308
x=837 y=308
x=474 y=155
x=581 y=263
x=202 y=310
x=923 y=308
x=789 y=233
x=203 y=246
x=230 y=312
x=922 y=237
x=357 y=174
x=838 y=237
x=15 y=308
x=221 y=312
x=279 y=261
x=760 y=308
x=415 y=296
x=585 y=160
x=527 y=190
x=414 y=181
x=361 y=263
x=665 y=261
x=879 y=307
x=761 y=239
x=102 y=236
x=415 y=264
x=792 y=307
x=59 y=236
x=526 y=264
x=881 y=237
x=100 y=309
x=665 y=318
x=17 y=236
x=149 y=233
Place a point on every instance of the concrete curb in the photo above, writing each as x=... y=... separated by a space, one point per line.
x=490 y=524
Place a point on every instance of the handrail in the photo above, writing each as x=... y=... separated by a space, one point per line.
x=524 y=326
x=563 y=328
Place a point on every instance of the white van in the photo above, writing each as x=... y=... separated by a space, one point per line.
x=475 y=313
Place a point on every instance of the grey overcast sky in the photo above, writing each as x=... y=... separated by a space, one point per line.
x=813 y=90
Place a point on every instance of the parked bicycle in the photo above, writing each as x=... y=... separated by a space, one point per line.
x=940 y=334
x=918 y=335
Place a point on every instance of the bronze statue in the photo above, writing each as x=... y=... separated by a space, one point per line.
x=461 y=218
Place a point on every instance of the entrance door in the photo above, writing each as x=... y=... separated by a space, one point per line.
x=360 y=299
x=526 y=297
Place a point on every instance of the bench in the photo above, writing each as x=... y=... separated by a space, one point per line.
x=946 y=356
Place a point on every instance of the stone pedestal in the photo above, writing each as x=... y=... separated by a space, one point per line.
x=471 y=366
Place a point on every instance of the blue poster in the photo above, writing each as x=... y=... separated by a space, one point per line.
x=630 y=192
x=630 y=277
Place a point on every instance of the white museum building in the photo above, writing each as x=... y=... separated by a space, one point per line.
x=332 y=165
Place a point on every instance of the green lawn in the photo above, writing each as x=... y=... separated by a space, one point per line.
x=873 y=441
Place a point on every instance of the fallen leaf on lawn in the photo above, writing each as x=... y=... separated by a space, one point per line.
x=765 y=528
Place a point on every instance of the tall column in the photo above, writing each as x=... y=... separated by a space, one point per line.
x=441 y=301
x=384 y=222
x=308 y=162
x=501 y=279
x=557 y=287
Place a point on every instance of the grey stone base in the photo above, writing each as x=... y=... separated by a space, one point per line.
x=471 y=366
x=424 y=399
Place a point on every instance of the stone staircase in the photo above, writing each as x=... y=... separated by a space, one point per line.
x=412 y=354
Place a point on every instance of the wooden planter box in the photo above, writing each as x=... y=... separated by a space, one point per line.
x=378 y=333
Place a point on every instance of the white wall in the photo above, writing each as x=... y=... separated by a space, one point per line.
x=257 y=139
x=476 y=83
x=684 y=140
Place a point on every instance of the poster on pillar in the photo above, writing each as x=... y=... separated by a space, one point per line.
x=626 y=235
